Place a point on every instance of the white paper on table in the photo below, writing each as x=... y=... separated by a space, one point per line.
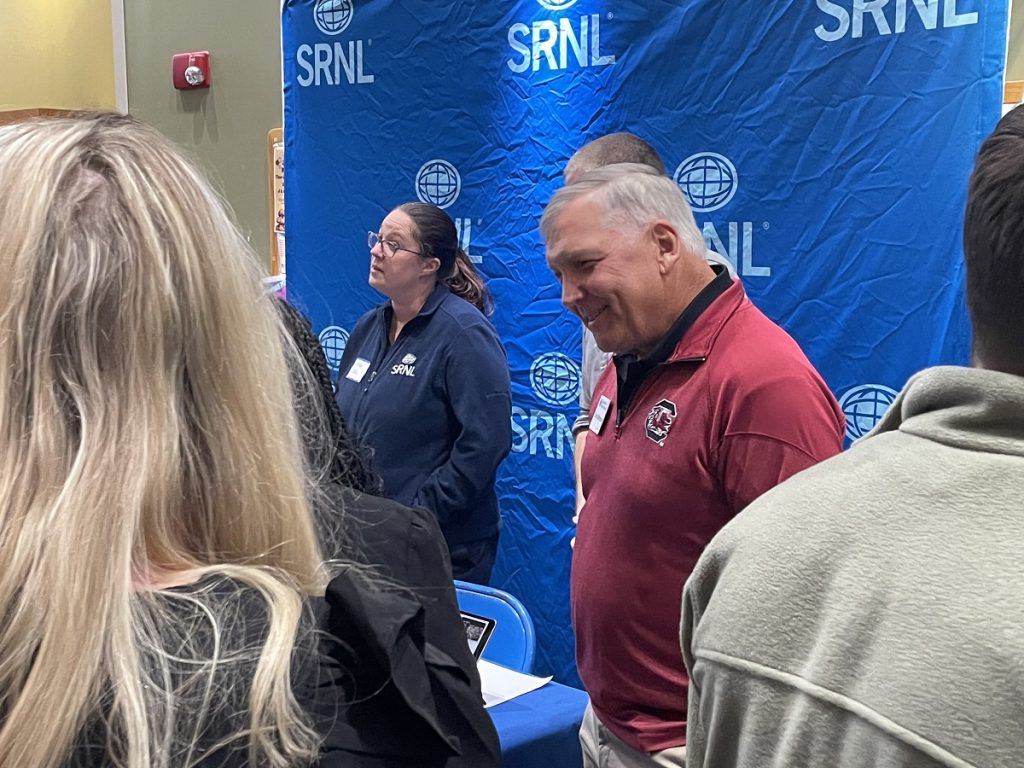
x=501 y=684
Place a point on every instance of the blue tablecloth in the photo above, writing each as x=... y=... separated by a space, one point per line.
x=541 y=729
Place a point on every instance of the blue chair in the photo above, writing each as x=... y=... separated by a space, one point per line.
x=512 y=642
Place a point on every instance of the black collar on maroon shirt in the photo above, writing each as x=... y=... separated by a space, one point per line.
x=631 y=370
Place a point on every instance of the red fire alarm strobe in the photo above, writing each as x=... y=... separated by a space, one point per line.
x=191 y=70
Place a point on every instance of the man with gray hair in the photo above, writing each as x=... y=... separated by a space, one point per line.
x=708 y=405
x=605 y=150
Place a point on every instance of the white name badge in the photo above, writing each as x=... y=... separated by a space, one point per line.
x=358 y=369
x=597 y=420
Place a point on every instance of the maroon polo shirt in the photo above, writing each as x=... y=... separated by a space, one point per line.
x=732 y=409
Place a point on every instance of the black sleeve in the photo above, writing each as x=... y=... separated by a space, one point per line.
x=406 y=544
x=411 y=704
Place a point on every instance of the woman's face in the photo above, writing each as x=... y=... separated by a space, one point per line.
x=396 y=266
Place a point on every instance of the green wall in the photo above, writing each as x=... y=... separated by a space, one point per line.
x=226 y=125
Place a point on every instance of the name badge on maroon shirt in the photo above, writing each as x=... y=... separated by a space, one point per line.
x=600 y=412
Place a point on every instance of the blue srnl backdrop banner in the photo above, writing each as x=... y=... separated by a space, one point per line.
x=824 y=146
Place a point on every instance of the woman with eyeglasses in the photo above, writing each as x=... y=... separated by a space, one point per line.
x=424 y=383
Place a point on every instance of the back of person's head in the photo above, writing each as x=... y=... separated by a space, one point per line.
x=993 y=237
x=147 y=438
x=439 y=239
x=332 y=450
x=633 y=195
x=611 y=149
x=340 y=462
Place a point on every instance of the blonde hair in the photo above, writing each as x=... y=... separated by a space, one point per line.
x=147 y=433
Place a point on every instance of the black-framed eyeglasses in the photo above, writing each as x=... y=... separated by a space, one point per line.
x=390 y=247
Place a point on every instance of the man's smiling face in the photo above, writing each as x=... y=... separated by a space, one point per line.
x=609 y=274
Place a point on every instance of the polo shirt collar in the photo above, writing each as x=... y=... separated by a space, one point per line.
x=631 y=370
x=668 y=343
x=434 y=300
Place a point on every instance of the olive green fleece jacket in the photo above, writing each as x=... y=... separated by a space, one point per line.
x=870 y=610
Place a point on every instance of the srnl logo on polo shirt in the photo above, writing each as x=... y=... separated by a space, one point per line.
x=405 y=368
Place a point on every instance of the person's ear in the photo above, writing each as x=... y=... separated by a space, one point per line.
x=430 y=266
x=670 y=247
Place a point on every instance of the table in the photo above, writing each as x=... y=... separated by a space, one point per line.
x=541 y=729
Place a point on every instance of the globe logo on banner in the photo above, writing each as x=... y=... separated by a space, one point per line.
x=864 y=406
x=557 y=5
x=332 y=16
x=333 y=339
x=438 y=183
x=556 y=379
x=708 y=180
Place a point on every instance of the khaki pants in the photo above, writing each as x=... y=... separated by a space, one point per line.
x=603 y=749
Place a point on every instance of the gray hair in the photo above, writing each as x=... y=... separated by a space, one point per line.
x=634 y=195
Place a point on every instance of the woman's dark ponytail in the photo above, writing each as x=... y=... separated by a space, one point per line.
x=439 y=239
x=466 y=283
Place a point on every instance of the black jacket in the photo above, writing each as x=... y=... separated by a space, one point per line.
x=401 y=649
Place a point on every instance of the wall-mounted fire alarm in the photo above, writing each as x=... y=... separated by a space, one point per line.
x=191 y=70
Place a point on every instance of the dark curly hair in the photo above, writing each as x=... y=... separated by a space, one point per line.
x=338 y=452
